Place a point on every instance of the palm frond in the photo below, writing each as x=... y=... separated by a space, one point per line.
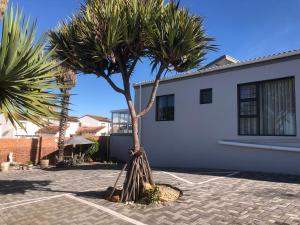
x=27 y=75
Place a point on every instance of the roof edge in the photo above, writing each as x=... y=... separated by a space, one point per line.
x=228 y=66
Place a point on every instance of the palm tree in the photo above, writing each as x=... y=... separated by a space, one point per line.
x=26 y=74
x=67 y=77
x=109 y=37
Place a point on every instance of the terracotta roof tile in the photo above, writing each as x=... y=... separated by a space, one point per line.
x=73 y=119
x=89 y=130
x=48 y=130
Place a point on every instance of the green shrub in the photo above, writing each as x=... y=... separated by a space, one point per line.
x=93 y=149
x=153 y=194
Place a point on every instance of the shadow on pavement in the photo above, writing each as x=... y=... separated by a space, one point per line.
x=21 y=186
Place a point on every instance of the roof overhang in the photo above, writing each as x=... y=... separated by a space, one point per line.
x=232 y=66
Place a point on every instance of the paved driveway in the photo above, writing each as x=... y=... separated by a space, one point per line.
x=74 y=196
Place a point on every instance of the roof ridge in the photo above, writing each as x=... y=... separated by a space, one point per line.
x=216 y=68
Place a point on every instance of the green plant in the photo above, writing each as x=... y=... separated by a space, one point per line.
x=27 y=74
x=110 y=37
x=29 y=163
x=93 y=149
x=153 y=195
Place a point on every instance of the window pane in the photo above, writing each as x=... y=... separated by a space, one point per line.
x=275 y=100
x=248 y=91
x=278 y=115
x=165 y=107
x=206 y=96
x=115 y=117
x=248 y=126
x=248 y=108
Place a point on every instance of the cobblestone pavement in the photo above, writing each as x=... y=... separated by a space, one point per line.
x=74 y=196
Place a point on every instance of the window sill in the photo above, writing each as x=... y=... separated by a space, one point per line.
x=266 y=146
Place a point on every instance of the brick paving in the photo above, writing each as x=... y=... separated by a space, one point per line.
x=209 y=197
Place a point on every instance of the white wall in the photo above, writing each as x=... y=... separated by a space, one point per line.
x=87 y=121
x=6 y=128
x=191 y=139
x=120 y=144
x=72 y=128
x=31 y=129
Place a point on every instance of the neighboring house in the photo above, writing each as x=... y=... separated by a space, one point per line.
x=229 y=115
x=7 y=130
x=94 y=125
x=48 y=131
x=52 y=130
x=85 y=125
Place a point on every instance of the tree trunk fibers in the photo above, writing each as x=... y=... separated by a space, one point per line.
x=138 y=173
x=63 y=125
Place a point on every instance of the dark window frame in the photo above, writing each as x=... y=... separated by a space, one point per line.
x=201 y=96
x=156 y=107
x=257 y=83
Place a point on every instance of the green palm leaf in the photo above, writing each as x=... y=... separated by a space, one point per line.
x=27 y=75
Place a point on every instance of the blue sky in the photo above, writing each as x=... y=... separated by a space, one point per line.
x=243 y=29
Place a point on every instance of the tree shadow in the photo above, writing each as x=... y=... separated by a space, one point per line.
x=88 y=167
x=22 y=186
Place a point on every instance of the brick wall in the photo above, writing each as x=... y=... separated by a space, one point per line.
x=27 y=149
x=34 y=149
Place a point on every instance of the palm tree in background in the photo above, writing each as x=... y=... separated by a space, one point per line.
x=66 y=77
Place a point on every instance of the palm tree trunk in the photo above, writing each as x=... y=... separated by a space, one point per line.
x=63 y=124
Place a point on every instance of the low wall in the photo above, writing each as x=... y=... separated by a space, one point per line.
x=25 y=150
x=120 y=145
x=33 y=149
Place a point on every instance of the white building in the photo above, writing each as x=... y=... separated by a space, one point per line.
x=52 y=130
x=94 y=125
x=229 y=115
x=7 y=130
x=86 y=125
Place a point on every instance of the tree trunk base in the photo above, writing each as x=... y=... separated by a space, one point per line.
x=138 y=174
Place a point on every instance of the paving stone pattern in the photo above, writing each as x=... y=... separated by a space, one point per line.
x=209 y=197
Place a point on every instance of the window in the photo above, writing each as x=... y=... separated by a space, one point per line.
x=165 y=108
x=206 y=96
x=267 y=108
x=121 y=122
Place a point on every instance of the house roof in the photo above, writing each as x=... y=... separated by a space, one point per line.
x=99 y=118
x=205 y=70
x=73 y=119
x=51 y=129
x=89 y=130
x=221 y=61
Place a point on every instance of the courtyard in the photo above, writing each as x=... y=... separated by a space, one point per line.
x=75 y=196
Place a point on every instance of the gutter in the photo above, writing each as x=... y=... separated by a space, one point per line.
x=260 y=146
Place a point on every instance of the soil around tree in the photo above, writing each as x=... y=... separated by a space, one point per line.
x=166 y=194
